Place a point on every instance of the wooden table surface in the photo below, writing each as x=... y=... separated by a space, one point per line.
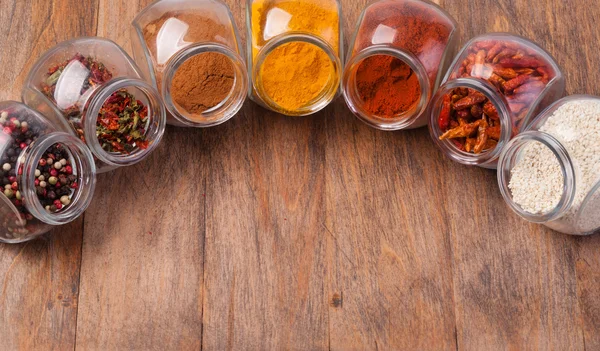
x=270 y=233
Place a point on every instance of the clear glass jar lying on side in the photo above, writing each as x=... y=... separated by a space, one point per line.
x=91 y=87
x=492 y=90
x=190 y=50
x=550 y=174
x=294 y=54
x=399 y=55
x=47 y=177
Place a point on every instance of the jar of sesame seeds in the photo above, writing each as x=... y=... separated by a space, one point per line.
x=90 y=87
x=550 y=174
x=47 y=177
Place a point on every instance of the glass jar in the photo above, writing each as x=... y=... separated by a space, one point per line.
x=399 y=54
x=92 y=88
x=550 y=173
x=47 y=176
x=492 y=90
x=190 y=50
x=294 y=54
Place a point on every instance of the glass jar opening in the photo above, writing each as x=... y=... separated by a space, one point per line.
x=386 y=88
x=204 y=85
x=538 y=197
x=303 y=63
x=476 y=133
x=125 y=122
x=58 y=178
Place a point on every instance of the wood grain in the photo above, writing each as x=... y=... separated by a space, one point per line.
x=39 y=281
x=142 y=267
x=316 y=233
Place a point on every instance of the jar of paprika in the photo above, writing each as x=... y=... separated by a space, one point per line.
x=399 y=54
x=190 y=51
x=497 y=83
x=294 y=54
x=93 y=89
x=47 y=177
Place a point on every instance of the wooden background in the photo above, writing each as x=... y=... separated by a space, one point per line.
x=318 y=233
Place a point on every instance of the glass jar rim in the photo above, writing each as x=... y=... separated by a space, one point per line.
x=230 y=106
x=84 y=159
x=567 y=166
x=329 y=91
x=155 y=131
x=401 y=121
x=489 y=91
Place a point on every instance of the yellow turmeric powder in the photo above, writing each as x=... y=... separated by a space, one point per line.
x=296 y=73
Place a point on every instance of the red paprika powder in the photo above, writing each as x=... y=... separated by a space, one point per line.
x=387 y=86
x=398 y=57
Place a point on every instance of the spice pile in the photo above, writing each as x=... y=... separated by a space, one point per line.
x=295 y=74
x=387 y=85
x=122 y=121
x=55 y=180
x=468 y=118
x=202 y=82
x=537 y=181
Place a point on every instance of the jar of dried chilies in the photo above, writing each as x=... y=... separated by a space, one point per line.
x=190 y=50
x=495 y=86
x=294 y=54
x=550 y=174
x=47 y=176
x=398 y=57
x=92 y=88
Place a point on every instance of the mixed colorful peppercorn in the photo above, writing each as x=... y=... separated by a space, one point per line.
x=122 y=121
x=55 y=180
x=468 y=118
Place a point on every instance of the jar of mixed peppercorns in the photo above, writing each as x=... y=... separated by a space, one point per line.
x=492 y=90
x=47 y=177
x=91 y=87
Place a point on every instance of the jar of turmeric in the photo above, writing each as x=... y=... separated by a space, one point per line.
x=397 y=60
x=294 y=54
x=190 y=50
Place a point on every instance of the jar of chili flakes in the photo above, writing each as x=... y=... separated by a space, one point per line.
x=492 y=90
x=47 y=177
x=92 y=88
x=399 y=54
x=191 y=51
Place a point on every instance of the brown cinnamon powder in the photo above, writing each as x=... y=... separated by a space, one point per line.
x=202 y=82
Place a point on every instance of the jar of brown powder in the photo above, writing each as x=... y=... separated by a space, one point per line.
x=190 y=50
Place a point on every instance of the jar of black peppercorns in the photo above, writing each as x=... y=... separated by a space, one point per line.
x=92 y=88
x=47 y=177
